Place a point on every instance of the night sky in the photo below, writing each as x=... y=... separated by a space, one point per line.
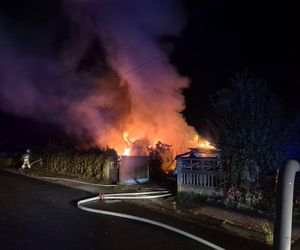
x=219 y=39
x=225 y=37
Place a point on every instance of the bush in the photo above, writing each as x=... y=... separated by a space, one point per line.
x=8 y=160
x=88 y=164
x=191 y=197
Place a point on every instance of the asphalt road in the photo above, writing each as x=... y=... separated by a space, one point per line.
x=40 y=215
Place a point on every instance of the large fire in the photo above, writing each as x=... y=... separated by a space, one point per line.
x=127 y=150
x=113 y=84
x=142 y=147
x=197 y=142
x=137 y=99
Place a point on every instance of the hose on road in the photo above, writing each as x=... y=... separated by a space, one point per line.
x=143 y=195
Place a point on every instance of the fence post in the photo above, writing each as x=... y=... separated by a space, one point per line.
x=284 y=205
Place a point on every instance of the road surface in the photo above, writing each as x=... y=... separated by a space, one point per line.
x=40 y=215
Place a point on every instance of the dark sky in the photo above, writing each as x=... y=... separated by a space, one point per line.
x=219 y=39
x=224 y=37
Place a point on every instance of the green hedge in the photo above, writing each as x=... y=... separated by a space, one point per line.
x=88 y=164
x=9 y=159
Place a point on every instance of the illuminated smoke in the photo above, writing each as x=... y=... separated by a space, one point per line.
x=132 y=88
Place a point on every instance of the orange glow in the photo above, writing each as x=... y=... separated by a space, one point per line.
x=207 y=145
x=126 y=138
x=203 y=144
x=130 y=144
x=196 y=138
x=126 y=152
x=132 y=110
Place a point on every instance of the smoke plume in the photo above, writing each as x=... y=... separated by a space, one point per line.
x=110 y=75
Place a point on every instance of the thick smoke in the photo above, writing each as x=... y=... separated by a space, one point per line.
x=112 y=75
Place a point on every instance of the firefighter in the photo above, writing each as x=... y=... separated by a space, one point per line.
x=26 y=158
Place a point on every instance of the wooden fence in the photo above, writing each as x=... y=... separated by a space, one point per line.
x=200 y=175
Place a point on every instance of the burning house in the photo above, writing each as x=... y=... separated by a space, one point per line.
x=141 y=162
x=111 y=84
x=134 y=169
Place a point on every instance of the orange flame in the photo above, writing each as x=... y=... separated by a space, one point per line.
x=203 y=144
x=196 y=142
x=207 y=145
x=126 y=138
x=126 y=152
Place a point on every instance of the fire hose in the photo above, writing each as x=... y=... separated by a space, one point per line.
x=35 y=162
x=141 y=195
x=135 y=196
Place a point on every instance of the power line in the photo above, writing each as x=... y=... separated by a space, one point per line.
x=138 y=66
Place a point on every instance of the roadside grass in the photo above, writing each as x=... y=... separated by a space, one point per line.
x=268 y=232
x=193 y=198
x=261 y=231
x=224 y=202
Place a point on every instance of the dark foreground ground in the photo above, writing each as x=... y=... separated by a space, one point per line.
x=40 y=215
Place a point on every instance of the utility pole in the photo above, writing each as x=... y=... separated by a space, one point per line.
x=284 y=205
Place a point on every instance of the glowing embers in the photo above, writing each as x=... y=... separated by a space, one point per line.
x=165 y=152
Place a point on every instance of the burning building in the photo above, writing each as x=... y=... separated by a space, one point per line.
x=134 y=169
x=143 y=162
x=111 y=83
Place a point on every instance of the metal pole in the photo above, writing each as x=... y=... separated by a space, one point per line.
x=284 y=205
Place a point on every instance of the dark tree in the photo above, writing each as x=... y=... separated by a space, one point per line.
x=249 y=127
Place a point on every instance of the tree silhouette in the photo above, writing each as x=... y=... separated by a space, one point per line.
x=249 y=126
